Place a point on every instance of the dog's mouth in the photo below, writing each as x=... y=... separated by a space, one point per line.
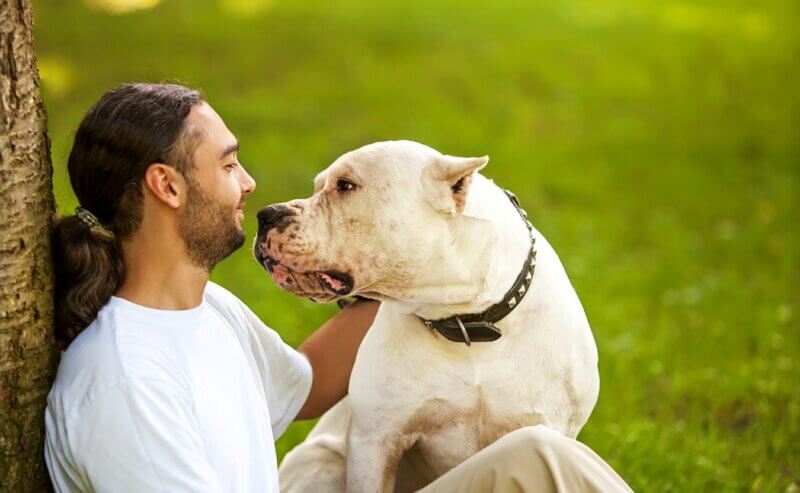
x=335 y=282
x=331 y=281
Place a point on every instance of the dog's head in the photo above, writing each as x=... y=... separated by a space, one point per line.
x=379 y=223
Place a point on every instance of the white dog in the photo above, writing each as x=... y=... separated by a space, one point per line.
x=448 y=252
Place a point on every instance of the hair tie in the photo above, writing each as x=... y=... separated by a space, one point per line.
x=89 y=219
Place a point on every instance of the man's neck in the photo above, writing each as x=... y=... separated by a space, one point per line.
x=157 y=276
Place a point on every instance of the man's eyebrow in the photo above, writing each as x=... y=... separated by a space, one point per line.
x=229 y=150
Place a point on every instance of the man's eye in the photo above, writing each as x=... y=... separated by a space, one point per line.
x=229 y=167
x=345 y=186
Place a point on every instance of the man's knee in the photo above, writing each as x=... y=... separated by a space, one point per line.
x=522 y=460
x=538 y=438
x=534 y=458
x=542 y=456
x=529 y=448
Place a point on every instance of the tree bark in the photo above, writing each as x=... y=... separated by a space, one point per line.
x=27 y=345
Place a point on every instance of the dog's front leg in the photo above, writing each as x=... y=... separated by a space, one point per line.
x=372 y=459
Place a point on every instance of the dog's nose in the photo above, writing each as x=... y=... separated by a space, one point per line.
x=270 y=216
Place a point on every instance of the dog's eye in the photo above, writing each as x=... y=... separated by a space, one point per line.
x=345 y=186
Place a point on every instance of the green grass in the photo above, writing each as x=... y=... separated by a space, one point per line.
x=656 y=145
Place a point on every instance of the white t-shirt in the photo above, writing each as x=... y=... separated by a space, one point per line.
x=173 y=401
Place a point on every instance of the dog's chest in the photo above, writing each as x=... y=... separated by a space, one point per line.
x=459 y=405
x=452 y=400
x=410 y=370
x=473 y=419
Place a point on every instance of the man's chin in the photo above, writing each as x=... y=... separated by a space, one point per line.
x=237 y=241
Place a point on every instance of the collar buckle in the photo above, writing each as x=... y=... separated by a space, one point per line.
x=464 y=332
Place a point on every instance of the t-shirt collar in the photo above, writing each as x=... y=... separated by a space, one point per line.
x=156 y=314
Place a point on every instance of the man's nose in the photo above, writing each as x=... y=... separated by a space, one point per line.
x=247 y=182
x=271 y=216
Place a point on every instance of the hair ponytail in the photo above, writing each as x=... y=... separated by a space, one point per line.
x=129 y=128
x=88 y=270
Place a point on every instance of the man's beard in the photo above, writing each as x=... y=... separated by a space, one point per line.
x=208 y=228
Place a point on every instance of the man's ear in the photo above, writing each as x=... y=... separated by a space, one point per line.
x=165 y=183
x=447 y=181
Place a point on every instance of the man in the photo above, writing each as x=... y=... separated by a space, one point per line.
x=172 y=383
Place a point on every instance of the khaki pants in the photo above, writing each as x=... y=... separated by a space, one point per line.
x=535 y=459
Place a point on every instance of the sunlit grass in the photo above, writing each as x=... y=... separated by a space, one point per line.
x=245 y=8
x=121 y=6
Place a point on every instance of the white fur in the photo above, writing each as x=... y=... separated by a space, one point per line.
x=412 y=392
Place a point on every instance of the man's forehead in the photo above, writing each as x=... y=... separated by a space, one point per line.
x=216 y=136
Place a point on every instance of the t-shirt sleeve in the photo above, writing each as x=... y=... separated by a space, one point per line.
x=63 y=474
x=285 y=373
x=144 y=437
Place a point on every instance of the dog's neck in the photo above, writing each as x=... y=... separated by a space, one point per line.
x=491 y=245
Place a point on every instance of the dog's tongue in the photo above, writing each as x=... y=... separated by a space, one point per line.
x=336 y=284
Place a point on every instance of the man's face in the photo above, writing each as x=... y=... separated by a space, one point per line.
x=211 y=219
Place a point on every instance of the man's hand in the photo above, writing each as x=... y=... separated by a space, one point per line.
x=332 y=352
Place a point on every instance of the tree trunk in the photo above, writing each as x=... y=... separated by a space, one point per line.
x=27 y=345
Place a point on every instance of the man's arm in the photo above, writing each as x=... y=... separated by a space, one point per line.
x=331 y=350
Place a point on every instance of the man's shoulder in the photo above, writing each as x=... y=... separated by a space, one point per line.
x=228 y=305
x=217 y=292
x=221 y=297
x=94 y=350
x=89 y=365
x=104 y=355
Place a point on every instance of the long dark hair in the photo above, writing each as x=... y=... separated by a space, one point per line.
x=129 y=128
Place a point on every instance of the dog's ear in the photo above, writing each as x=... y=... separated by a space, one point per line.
x=448 y=179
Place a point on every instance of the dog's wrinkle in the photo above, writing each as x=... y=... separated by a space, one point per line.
x=328 y=218
x=310 y=284
x=575 y=416
x=298 y=249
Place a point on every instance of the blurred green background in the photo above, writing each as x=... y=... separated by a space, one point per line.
x=656 y=144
